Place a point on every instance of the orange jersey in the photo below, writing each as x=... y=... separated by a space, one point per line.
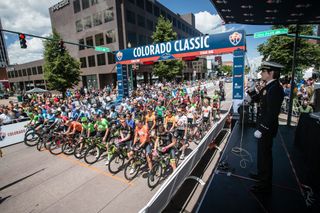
x=143 y=133
x=76 y=125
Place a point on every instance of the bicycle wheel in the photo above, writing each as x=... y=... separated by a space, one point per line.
x=68 y=148
x=40 y=145
x=79 y=151
x=92 y=154
x=131 y=169
x=31 y=139
x=116 y=163
x=55 y=147
x=157 y=174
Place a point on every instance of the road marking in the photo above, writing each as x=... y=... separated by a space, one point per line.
x=62 y=156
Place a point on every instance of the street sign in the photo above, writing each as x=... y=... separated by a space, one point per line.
x=271 y=33
x=102 y=49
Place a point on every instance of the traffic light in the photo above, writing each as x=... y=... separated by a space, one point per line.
x=61 y=46
x=23 y=42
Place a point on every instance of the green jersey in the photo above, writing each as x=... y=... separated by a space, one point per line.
x=160 y=111
x=89 y=126
x=102 y=125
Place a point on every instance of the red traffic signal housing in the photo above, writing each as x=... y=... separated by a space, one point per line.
x=23 y=42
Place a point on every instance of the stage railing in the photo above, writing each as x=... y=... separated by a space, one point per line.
x=167 y=190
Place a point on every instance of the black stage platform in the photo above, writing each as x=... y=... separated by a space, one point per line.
x=229 y=188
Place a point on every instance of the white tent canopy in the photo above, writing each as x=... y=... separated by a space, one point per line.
x=37 y=90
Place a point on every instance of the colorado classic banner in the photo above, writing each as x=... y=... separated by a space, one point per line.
x=222 y=43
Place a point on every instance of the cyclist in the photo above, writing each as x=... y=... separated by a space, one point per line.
x=181 y=130
x=216 y=105
x=206 y=113
x=150 y=120
x=165 y=141
x=141 y=134
x=160 y=110
x=169 y=121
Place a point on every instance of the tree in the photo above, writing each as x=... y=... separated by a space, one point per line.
x=170 y=69
x=226 y=69
x=61 y=71
x=280 y=49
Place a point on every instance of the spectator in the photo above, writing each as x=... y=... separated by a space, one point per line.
x=305 y=107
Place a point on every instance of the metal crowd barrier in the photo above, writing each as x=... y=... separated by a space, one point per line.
x=167 y=190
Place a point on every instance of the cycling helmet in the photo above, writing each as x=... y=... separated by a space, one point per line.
x=84 y=119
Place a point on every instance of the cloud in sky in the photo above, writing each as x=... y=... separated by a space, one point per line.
x=210 y=24
x=31 y=16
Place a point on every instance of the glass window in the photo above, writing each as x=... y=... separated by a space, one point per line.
x=140 y=4
x=179 y=24
x=91 y=61
x=16 y=73
x=19 y=73
x=101 y=58
x=83 y=62
x=76 y=6
x=108 y=15
x=169 y=17
x=163 y=13
x=149 y=6
x=79 y=26
x=81 y=41
x=97 y=19
x=141 y=21
x=111 y=59
x=24 y=72
x=34 y=71
x=110 y=36
x=156 y=11
x=149 y=25
x=93 y=2
x=29 y=71
x=131 y=17
x=132 y=1
x=183 y=27
x=89 y=41
x=132 y=38
x=87 y=22
x=174 y=21
x=99 y=39
x=85 y=4
x=40 y=70
x=142 y=39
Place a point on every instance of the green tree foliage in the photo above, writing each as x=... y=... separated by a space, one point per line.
x=280 y=49
x=226 y=69
x=171 y=68
x=61 y=71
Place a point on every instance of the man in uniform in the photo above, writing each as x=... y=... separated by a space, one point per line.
x=270 y=98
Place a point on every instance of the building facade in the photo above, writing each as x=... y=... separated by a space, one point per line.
x=4 y=59
x=116 y=24
x=113 y=24
x=24 y=77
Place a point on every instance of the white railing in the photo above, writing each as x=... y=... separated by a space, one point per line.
x=167 y=190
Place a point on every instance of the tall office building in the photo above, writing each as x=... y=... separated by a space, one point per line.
x=114 y=24
x=4 y=60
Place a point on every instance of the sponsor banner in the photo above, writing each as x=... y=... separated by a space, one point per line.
x=12 y=133
x=238 y=74
x=122 y=77
x=203 y=45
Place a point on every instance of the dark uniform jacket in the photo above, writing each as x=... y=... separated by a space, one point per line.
x=270 y=99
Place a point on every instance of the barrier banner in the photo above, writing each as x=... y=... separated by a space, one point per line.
x=12 y=133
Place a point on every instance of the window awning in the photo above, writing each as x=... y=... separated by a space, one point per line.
x=268 y=12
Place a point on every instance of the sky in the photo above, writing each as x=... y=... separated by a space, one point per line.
x=33 y=17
